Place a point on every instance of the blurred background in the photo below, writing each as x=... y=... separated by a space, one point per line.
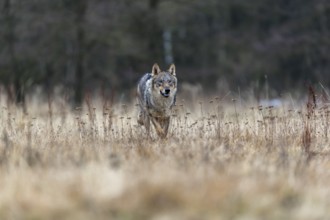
x=76 y=47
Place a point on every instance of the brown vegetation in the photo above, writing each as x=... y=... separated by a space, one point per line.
x=227 y=160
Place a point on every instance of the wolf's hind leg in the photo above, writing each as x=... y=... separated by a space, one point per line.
x=146 y=123
x=144 y=120
x=141 y=118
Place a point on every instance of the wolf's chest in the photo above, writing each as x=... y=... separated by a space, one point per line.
x=160 y=107
x=163 y=113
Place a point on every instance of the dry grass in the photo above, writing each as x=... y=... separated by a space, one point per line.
x=220 y=161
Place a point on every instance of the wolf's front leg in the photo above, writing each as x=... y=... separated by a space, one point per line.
x=166 y=124
x=161 y=126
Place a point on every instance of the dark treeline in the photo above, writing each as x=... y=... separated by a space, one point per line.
x=82 y=46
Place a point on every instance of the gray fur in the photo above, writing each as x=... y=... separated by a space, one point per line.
x=156 y=96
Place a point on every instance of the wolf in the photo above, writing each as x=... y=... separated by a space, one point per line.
x=156 y=94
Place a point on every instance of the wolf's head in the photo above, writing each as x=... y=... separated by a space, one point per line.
x=164 y=82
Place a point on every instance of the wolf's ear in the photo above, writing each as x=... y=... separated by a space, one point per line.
x=172 y=69
x=155 y=69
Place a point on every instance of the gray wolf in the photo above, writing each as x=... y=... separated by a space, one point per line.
x=156 y=94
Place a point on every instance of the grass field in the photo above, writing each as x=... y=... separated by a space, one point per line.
x=221 y=160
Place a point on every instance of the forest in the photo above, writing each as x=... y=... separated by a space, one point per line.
x=247 y=137
x=79 y=47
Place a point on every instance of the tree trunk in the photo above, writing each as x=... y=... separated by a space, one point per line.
x=16 y=71
x=80 y=56
x=20 y=94
x=155 y=44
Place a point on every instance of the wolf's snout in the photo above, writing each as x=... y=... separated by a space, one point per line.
x=165 y=92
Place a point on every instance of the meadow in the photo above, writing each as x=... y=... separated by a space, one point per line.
x=224 y=158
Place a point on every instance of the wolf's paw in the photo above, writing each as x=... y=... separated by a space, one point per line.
x=140 y=121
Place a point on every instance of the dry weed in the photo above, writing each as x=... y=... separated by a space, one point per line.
x=224 y=161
